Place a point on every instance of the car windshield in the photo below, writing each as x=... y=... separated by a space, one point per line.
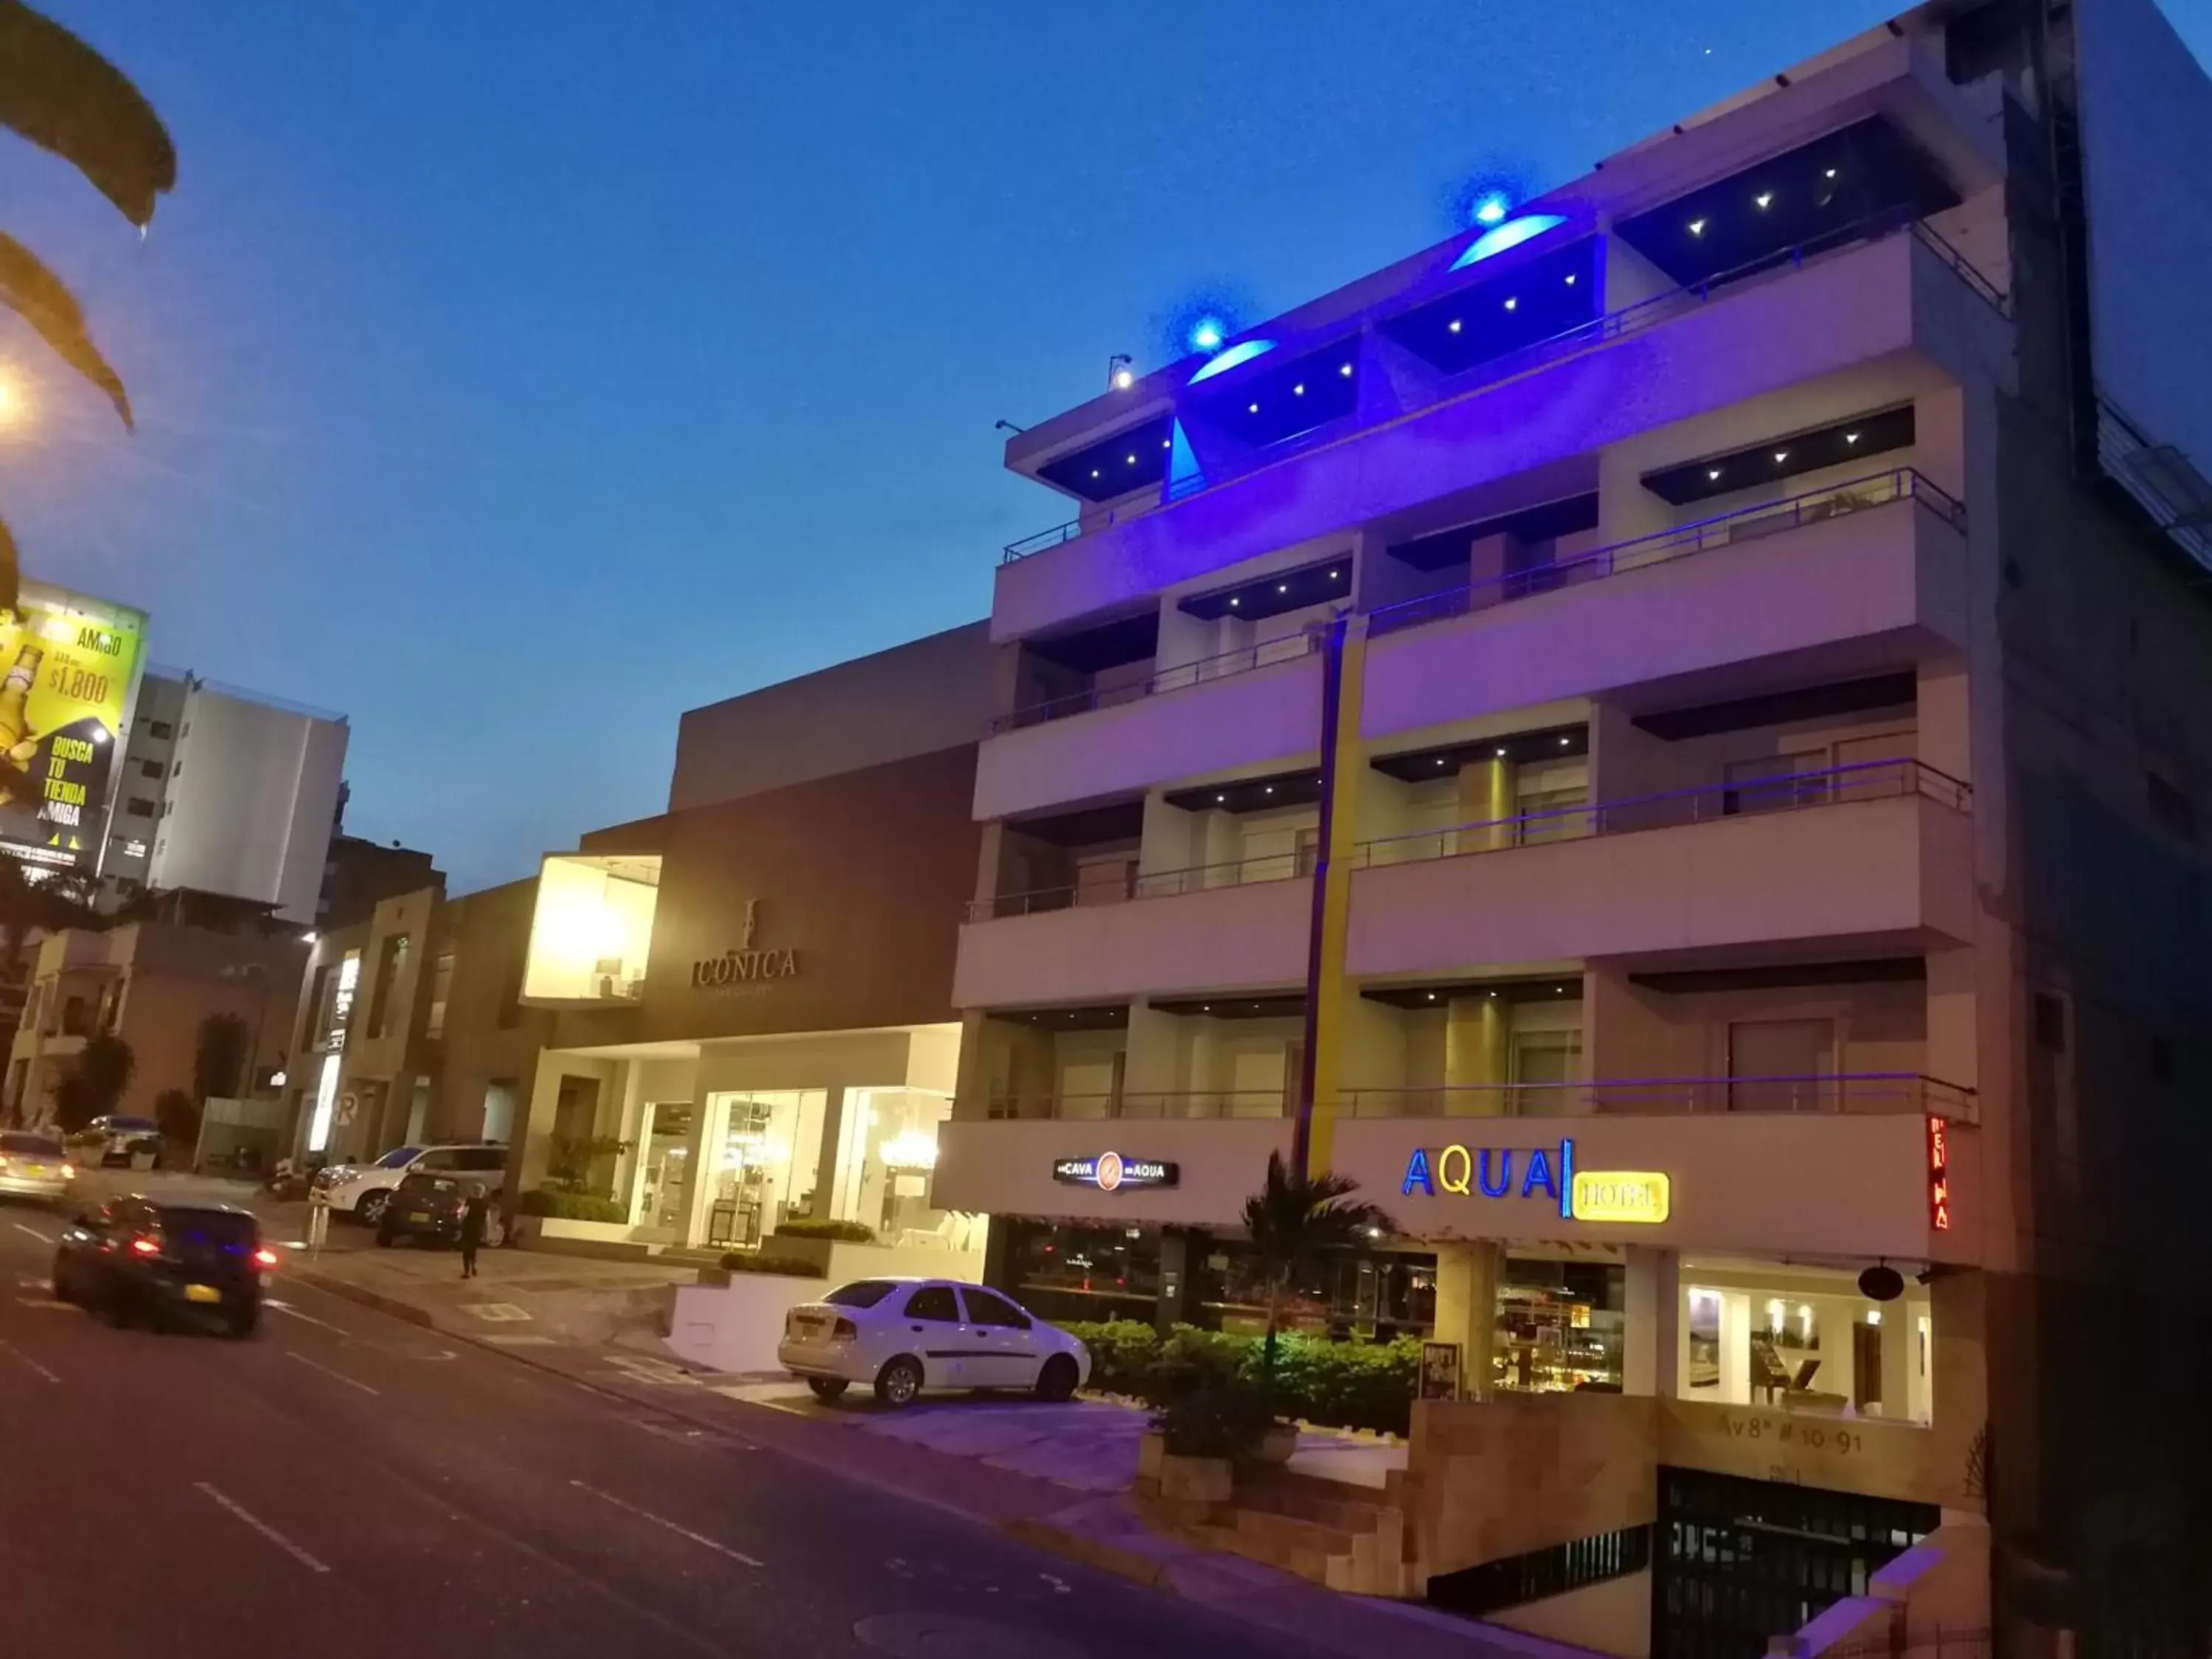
x=23 y=1145
x=398 y=1156
x=861 y=1293
x=226 y=1228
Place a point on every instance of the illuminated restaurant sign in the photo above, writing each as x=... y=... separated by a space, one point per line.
x=1110 y=1172
x=1641 y=1197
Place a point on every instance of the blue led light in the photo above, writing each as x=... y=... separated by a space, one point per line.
x=1242 y=352
x=1511 y=234
x=1207 y=334
x=1492 y=210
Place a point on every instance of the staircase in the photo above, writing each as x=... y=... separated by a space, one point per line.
x=1345 y=1537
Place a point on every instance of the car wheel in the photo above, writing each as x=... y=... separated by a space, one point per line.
x=828 y=1387
x=898 y=1381
x=371 y=1208
x=1057 y=1380
x=242 y=1324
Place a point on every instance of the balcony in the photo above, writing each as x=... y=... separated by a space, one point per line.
x=1877 y=852
x=1848 y=1094
x=1876 y=567
x=1219 y=927
x=1134 y=1106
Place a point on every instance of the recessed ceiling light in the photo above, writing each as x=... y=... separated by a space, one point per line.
x=1511 y=304
x=1133 y=460
x=1501 y=754
x=1764 y=197
x=1454 y=324
x=1712 y=474
x=1094 y=471
x=1571 y=279
x=1830 y=173
x=1282 y=587
x=1780 y=456
x=1255 y=409
x=1433 y=996
x=1233 y=600
x=1167 y=443
x=1332 y=576
x=1269 y=790
x=1697 y=229
x=1566 y=742
x=1298 y=391
x=1346 y=370
x=1493 y=996
x=1851 y=437
x=1219 y=799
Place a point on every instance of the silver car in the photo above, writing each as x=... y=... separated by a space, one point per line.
x=32 y=1166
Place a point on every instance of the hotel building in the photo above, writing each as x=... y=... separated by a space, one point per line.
x=1658 y=736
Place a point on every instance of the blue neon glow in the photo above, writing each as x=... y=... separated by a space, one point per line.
x=1183 y=473
x=1207 y=334
x=1242 y=352
x=1492 y=210
x=1511 y=234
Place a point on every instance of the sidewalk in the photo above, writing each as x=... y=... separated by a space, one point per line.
x=517 y=1300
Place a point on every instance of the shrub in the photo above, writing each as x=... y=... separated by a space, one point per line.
x=846 y=1232
x=1215 y=1422
x=739 y=1261
x=572 y=1206
x=1350 y=1385
x=179 y=1118
x=1122 y=1353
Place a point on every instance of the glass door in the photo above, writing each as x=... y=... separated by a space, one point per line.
x=667 y=1167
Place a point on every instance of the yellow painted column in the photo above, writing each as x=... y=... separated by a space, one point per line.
x=1475 y=1030
x=1486 y=796
x=1467 y=1309
x=1327 y=986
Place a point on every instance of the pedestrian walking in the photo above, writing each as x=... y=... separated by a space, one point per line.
x=472 y=1228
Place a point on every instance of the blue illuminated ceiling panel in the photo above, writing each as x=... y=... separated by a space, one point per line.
x=1285 y=399
x=1832 y=191
x=1490 y=316
x=1135 y=458
x=1242 y=352
x=1511 y=234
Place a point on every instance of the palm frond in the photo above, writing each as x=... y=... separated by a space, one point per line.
x=1292 y=1218
x=37 y=295
x=65 y=97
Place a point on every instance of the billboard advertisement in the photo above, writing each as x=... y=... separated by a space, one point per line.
x=68 y=669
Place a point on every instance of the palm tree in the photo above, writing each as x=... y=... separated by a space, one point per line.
x=65 y=97
x=1294 y=1220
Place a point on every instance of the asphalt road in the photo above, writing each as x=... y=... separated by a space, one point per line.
x=346 y=1483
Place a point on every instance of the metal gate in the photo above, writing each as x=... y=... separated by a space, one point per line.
x=1735 y=1561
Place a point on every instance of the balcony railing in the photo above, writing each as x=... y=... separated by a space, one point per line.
x=1723 y=530
x=1850 y=1093
x=1598 y=331
x=1846 y=1093
x=1162 y=884
x=1220 y=1104
x=1744 y=798
x=1284 y=647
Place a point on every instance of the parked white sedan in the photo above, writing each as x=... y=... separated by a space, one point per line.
x=903 y=1336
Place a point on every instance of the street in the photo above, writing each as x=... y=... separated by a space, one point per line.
x=347 y=1484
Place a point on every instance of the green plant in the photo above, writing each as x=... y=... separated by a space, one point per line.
x=1224 y=1421
x=1122 y=1353
x=807 y=1226
x=91 y=1087
x=563 y=1205
x=739 y=1261
x=1295 y=1219
x=574 y=1163
x=179 y=1115
x=1350 y=1385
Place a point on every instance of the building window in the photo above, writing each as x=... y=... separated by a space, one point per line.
x=391 y=959
x=150 y=768
x=161 y=730
x=2171 y=806
x=177 y=769
x=442 y=987
x=1781 y=1064
x=139 y=809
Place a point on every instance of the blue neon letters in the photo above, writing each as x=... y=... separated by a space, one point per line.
x=1489 y=1172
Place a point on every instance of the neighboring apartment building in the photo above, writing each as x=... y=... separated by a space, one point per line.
x=1663 y=737
x=359 y=874
x=223 y=791
x=409 y=1024
x=152 y=984
x=752 y=995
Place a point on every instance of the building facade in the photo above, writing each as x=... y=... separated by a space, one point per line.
x=226 y=792
x=751 y=995
x=1655 y=737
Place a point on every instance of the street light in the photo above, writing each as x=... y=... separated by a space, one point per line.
x=15 y=400
x=1121 y=373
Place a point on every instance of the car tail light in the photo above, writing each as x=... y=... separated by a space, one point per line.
x=69 y=1171
x=147 y=1246
x=844 y=1331
x=264 y=1257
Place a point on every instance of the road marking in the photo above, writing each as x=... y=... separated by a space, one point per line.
x=313 y=1366
x=505 y=1312
x=264 y=1529
x=43 y=1238
x=11 y=1348
x=46 y=1302
x=291 y=1312
x=29 y=1283
x=640 y=1368
x=523 y=1341
x=700 y=1539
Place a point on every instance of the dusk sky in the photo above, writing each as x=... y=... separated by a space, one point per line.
x=513 y=377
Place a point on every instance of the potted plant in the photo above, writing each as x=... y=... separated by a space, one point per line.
x=1195 y=1441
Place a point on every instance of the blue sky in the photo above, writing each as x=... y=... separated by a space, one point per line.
x=513 y=376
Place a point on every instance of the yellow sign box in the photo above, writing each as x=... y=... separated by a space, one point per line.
x=1643 y=1196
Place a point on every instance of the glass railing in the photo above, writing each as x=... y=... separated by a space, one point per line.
x=1845 y=1093
x=1741 y=798
x=1725 y=529
x=1159 y=883
x=1598 y=331
x=1284 y=647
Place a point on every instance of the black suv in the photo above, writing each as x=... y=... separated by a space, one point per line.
x=133 y=1259
x=425 y=1206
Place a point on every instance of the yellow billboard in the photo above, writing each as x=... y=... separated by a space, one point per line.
x=68 y=668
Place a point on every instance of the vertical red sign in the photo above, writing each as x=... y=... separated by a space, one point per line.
x=1939 y=1174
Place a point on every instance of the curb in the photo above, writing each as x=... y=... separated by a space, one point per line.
x=346 y=1290
x=1092 y=1552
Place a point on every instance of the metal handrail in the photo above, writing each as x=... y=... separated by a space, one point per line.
x=1597 y=331
x=1832 y=1093
x=1261 y=653
x=1661 y=547
x=1159 y=883
x=1671 y=809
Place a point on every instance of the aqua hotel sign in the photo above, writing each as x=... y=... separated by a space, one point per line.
x=1641 y=1197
